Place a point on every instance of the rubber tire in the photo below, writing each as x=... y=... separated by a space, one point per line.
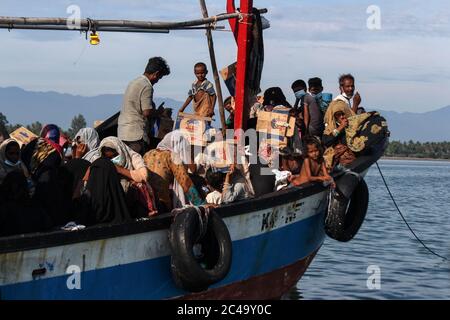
x=344 y=220
x=187 y=271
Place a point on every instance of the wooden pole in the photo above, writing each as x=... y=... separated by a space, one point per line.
x=214 y=67
x=115 y=23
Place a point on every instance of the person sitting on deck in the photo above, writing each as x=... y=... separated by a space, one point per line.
x=215 y=180
x=347 y=88
x=129 y=171
x=237 y=185
x=334 y=137
x=43 y=158
x=18 y=212
x=10 y=159
x=138 y=105
x=313 y=168
x=85 y=141
x=201 y=94
x=168 y=165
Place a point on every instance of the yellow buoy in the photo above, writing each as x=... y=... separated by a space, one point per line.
x=94 y=39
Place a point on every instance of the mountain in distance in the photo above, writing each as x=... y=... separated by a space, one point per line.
x=26 y=107
x=431 y=126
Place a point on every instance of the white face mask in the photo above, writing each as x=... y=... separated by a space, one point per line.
x=117 y=160
x=346 y=96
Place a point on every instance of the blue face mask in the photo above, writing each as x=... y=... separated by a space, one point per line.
x=299 y=94
x=12 y=164
x=117 y=160
x=317 y=96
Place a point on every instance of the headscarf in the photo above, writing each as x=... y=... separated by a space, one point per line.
x=89 y=137
x=176 y=143
x=274 y=96
x=40 y=154
x=129 y=159
x=180 y=150
x=51 y=132
x=5 y=168
x=333 y=108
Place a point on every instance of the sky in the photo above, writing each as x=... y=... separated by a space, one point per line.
x=402 y=66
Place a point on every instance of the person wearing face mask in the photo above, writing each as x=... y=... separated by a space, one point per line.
x=299 y=89
x=348 y=95
x=116 y=184
x=10 y=159
x=313 y=116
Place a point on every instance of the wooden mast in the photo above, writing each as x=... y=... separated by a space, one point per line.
x=214 y=67
x=241 y=30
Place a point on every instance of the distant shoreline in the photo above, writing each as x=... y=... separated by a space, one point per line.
x=414 y=159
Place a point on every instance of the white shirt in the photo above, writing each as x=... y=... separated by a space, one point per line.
x=214 y=197
x=349 y=102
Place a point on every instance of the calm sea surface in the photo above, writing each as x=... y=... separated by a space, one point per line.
x=407 y=270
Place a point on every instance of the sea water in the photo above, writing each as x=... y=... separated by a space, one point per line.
x=384 y=260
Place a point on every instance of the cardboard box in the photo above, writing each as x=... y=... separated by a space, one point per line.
x=193 y=127
x=23 y=136
x=278 y=125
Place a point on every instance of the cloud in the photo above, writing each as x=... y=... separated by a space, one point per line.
x=392 y=65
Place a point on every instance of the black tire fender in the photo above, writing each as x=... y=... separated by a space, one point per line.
x=345 y=216
x=193 y=273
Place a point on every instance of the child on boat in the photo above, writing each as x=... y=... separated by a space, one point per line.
x=313 y=168
x=215 y=180
x=202 y=93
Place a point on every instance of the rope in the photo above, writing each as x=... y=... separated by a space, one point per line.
x=407 y=224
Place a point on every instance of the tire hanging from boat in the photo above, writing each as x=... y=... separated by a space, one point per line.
x=191 y=270
x=347 y=208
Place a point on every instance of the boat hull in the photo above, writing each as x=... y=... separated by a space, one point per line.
x=273 y=245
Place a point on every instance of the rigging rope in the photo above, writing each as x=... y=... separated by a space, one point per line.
x=406 y=222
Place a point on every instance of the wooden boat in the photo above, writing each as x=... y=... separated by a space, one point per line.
x=274 y=238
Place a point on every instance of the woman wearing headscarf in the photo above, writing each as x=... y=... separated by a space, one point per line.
x=18 y=213
x=168 y=165
x=10 y=159
x=334 y=137
x=117 y=183
x=43 y=159
x=274 y=97
x=86 y=140
x=52 y=133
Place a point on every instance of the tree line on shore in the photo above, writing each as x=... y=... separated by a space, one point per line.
x=411 y=149
x=78 y=122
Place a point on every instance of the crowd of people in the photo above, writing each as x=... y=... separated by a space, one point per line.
x=133 y=175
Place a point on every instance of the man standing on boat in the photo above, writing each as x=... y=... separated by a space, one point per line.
x=347 y=87
x=138 y=105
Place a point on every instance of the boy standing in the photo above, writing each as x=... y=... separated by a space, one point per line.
x=202 y=93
